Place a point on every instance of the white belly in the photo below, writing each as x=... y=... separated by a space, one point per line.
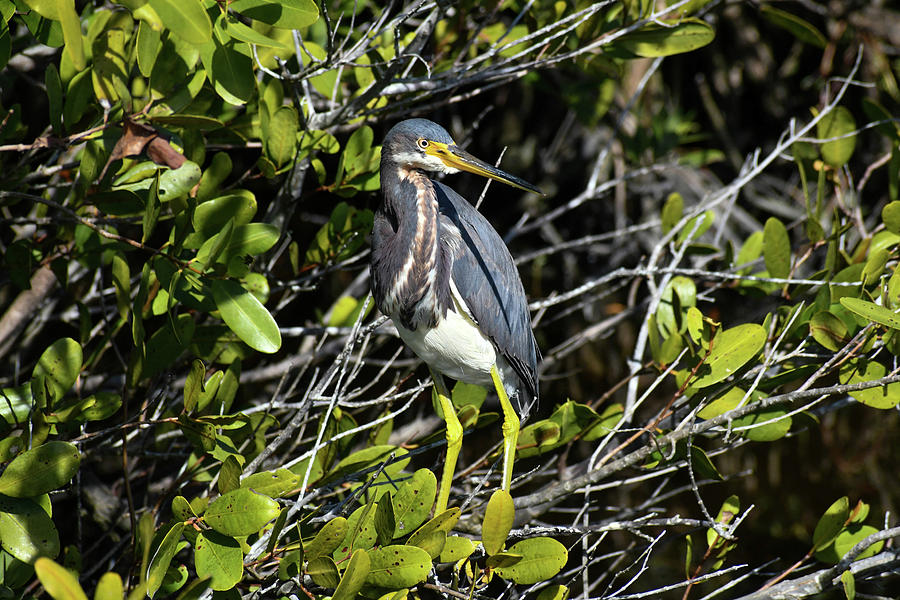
x=455 y=348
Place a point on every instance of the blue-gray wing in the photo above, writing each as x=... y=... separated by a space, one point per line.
x=487 y=279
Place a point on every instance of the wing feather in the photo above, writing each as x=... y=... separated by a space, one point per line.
x=487 y=279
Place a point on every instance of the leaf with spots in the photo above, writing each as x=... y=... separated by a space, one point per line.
x=413 y=501
x=328 y=539
x=26 y=530
x=240 y=512
x=40 y=470
x=218 y=557
x=360 y=532
x=397 y=567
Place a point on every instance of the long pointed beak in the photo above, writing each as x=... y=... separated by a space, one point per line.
x=455 y=157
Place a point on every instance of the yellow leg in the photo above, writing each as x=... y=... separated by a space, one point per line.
x=510 y=429
x=454 y=441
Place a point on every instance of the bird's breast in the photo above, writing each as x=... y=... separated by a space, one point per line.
x=454 y=346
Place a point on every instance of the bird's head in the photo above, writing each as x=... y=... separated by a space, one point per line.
x=423 y=144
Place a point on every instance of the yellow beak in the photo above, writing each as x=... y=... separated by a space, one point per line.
x=456 y=158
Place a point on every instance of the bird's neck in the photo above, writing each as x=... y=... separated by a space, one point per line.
x=410 y=201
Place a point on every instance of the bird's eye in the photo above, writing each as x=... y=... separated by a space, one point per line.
x=423 y=143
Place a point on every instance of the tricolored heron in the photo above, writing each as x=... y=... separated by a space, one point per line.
x=447 y=280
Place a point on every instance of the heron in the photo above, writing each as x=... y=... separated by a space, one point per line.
x=443 y=275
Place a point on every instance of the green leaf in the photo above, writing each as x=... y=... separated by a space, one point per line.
x=360 y=532
x=59 y=582
x=777 y=249
x=672 y=211
x=777 y=424
x=288 y=14
x=323 y=571
x=40 y=470
x=242 y=32
x=412 y=502
x=182 y=509
x=799 y=28
x=425 y=536
x=280 y=141
x=230 y=70
x=218 y=557
x=846 y=540
x=109 y=587
x=828 y=329
x=384 y=519
x=667 y=38
x=849 y=584
x=177 y=183
x=251 y=239
x=230 y=475
x=27 y=530
x=211 y=216
x=354 y=576
x=397 y=567
x=162 y=557
x=872 y=312
x=837 y=123
x=457 y=548
x=498 y=521
x=468 y=394
x=273 y=483
x=240 y=512
x=185 y=18
x=246 y=316
x=702 y=465
x=860 y=370
x=149 y=43
x=327 y=539
x=731 y=349
x=890 y=214
x=193 y=385
x=554 y=592
x=542 y=558
x=831 y=523
x=59 y=366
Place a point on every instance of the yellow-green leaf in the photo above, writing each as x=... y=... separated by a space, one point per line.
x=498 y=521
x=398 y=566
x=542 y=558
x=246 y=316
x=777 y=248
x=731 y=349
x=240 y=512
x=799 y=28
x=354 y=576
x=861 y=370
x=162 y=557
x=59 y=582
x=218 y=557
x=185 y=18
x=668 y=38
x=831 y=522
x=872 y=312
x=48 y=467
x=836 y=124
x=327 y=539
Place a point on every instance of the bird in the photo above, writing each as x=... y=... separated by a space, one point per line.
x=448 y=282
